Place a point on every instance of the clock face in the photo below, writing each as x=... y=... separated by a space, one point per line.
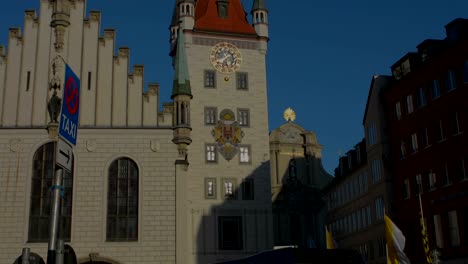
x=225 y=57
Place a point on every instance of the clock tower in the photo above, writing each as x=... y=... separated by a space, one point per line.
x=223 y=189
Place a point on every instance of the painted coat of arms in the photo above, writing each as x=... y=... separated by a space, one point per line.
x=228 y=135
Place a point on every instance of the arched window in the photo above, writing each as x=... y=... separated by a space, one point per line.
x=39 y=214
x=122 y=201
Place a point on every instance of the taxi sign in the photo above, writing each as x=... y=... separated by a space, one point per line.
x=68 y=128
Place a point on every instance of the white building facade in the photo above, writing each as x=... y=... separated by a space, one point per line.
x=134 y=196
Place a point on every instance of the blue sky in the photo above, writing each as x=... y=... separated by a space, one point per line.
x=322 y=54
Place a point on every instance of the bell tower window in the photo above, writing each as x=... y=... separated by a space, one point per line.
x=223 y=7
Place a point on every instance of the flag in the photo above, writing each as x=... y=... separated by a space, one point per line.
x=395 y=243
x=425 y=242
x=424 y=237
x=329 y=238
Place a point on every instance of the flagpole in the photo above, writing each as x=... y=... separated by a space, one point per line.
x=421 y=210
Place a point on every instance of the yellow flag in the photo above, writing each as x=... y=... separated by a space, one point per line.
x=329 y=238
x=395 y=243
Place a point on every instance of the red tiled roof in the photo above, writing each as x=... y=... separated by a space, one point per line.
x=207 y=19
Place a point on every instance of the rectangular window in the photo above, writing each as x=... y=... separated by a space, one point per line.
x=366 y=180
x=431 y=179
x=230 y=233
x=210 y=153
x=406 y=189
x=454 y=124
x=28 y=80
x=210 y=115
x=243 y=117
x=461 y=170
x=414 y=143
x=402 y=149
x=398 y=111
x=248 y=189
x=438 y=231
x=89 y=81
x=409 y=104
x=210 y=79
x=229 y=186
x=376 y=171
x=210 y=188
x=454 y=236
x=446 y=176
x=371 y=134
x=465 y=72
x=435 y=89
x=369 y=215
x=379 y=208
x=424 y=138
x=242 y=81
x=439 y=129
x=419 y=187
x=244 y=154
x=450 y=81
x=421 y=99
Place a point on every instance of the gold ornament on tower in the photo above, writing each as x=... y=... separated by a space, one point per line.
x=289 y=115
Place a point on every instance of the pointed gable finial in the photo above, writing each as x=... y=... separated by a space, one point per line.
x=181 y=84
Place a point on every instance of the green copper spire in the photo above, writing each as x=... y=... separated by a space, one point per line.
x=259 y=4
x=181 y=84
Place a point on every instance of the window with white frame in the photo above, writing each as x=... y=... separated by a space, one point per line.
x=210 y=188
x=210 y=79
x=210 y=115
x=244 y=154
x=398 y=110
x=228 y=188
x=210 y=153
x=242 y=81
x=450 y=81
x=409 y=104
x=243 y=117
x=454 y=236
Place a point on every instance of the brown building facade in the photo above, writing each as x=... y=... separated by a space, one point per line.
x=427 y=114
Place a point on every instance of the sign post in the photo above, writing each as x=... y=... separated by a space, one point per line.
x=68 y=132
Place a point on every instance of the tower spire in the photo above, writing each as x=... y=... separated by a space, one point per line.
x=181 y=83
x=182 y=95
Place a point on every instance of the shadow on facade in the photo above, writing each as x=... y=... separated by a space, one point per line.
x=241 y=225
x=299 y=207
